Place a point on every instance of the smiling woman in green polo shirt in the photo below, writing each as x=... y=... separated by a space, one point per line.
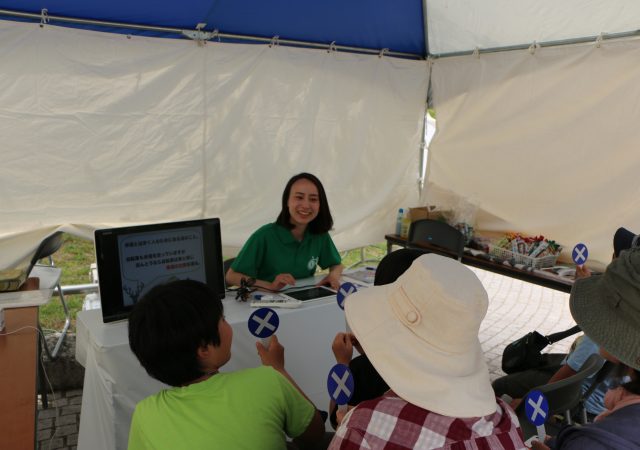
x=278 y=253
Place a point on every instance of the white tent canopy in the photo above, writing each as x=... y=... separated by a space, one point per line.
x=107 y=129
x=463 y=26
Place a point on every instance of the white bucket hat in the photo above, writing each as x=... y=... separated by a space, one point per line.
x=421 y=335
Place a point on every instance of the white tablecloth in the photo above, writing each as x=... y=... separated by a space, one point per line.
x=114 y=381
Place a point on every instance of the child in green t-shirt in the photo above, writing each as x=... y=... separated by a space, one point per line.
x=180 y=336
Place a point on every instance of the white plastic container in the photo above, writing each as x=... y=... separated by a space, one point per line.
x=399 y=218
x=91 y=301
x=406 y=224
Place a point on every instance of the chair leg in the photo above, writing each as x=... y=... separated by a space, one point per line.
x=568 y=418
x=67 y=323
x=583 y=414
x=53 y=354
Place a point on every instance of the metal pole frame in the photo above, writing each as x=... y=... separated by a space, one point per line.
x=200 y=34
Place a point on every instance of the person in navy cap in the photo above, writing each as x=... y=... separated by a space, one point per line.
x=607 y=308
x=623 y=240
x=516 y=385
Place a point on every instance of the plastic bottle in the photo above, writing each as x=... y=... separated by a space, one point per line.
x=406 y=223
x=399 y=221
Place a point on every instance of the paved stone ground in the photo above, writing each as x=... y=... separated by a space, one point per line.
x=58 y=424
x=515 y=308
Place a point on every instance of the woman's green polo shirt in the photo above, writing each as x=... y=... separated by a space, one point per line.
x=273 y=250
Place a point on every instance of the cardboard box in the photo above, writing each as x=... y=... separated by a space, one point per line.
x=428 y=212
x=419 y=213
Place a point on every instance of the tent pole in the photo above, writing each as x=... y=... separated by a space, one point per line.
x=201 y=34
x=582 y=40
x=426 y=28
x=423 y=142
x=422 y=170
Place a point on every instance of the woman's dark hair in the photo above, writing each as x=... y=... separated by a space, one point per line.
x=169 y=324
x=323 y=221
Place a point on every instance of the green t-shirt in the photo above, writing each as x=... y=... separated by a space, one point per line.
x=247 y=409
x=272 y=250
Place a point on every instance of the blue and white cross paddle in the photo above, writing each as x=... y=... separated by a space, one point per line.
x=263 y=323
x=340 y=385
x=345 y=290
x=536 y=409
x=580 y=254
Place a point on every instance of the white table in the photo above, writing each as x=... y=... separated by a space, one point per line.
x=114 y=381
x=48 y=276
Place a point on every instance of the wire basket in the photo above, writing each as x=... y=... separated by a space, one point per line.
x=519 y=258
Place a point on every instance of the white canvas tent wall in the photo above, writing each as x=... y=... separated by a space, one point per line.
x=541 y=136
x=485 y=137
x=102 y=130
x=567 y=169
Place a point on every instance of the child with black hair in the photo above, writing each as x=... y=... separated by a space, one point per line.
x=180 y=336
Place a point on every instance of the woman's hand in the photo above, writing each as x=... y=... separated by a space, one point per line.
x=331 y=282
x=341 y=412
x=333 y=279
x=537 y=445
x=281 y=280
x=342 y=348
x=582 y=272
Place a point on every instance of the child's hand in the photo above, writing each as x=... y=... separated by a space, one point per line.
x=342 y=348
x=272 y=356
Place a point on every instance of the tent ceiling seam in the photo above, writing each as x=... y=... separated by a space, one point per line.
x=598 y=40
x=199 y=34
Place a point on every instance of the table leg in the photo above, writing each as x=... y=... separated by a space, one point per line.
x=42 y=381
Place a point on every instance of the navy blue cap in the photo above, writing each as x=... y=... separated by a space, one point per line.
x=623 y=240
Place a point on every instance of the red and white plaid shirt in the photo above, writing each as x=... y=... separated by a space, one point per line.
x=389 y=422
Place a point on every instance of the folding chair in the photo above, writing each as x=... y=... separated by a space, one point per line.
x=562 y=396
x=437 y=233
x=48 y=247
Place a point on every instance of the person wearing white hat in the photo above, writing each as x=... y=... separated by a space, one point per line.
x=607 y=308
x=421 y=335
